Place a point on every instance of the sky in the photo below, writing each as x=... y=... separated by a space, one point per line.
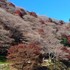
x=58 y=9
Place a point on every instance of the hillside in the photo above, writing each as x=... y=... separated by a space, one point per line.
x=20 y=26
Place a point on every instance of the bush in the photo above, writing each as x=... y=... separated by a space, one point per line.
x=24 y=56
x=2 y=58
x=65 y=41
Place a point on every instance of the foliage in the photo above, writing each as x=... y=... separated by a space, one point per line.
x=57 y=65
x=42 y=22
x=2 y=58
x=16 y=35
x=65 y=41
x=66 y=50
x=33 y=14
x=24 y=56
x=53 y=65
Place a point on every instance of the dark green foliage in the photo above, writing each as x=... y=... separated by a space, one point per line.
x=64 y=41
x=2 y=58
x=3 y=53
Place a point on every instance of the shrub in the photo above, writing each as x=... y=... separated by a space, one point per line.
x=16 y=35
x=65 y=41
x=33 y=14
x=41 y=31
x=61 y=22
x=42 y=22
x=20 y=12
x=26 y=55
x=66 y=50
